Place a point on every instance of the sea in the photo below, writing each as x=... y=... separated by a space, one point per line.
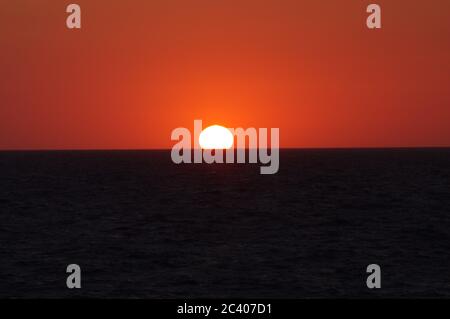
x=140 y=226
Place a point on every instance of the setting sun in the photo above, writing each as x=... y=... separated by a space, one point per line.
x=216 y=137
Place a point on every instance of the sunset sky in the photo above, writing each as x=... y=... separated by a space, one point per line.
x=138 y=69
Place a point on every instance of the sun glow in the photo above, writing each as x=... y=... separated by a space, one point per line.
x=216 y=137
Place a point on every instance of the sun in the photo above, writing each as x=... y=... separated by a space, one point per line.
x=216 y=137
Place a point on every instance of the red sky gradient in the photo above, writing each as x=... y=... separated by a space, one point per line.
x=138 y=69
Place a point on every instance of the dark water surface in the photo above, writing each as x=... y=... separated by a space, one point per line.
x=141 y=226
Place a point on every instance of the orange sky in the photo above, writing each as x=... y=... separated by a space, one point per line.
x=138 y=69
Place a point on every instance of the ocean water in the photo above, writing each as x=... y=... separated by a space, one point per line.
x=142 y=227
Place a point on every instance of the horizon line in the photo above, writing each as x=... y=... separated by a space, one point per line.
x=192 y=149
